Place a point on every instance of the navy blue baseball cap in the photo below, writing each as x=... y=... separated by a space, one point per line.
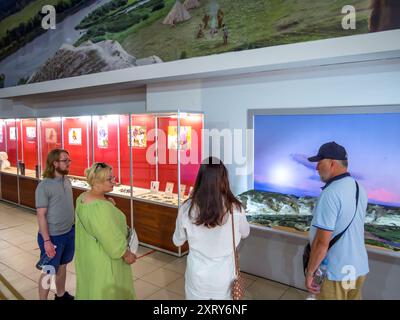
x=330 y=150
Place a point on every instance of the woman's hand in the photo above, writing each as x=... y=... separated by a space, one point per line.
x=129 y=257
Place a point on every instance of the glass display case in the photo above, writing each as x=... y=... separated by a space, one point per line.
x=167 y=158
x=10 y=146
x=28 y=156
x=143 y=151
x=155 y=159
x=50 y=137
x=286 y=185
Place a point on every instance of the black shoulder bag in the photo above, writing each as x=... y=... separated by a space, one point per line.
x=307 y=249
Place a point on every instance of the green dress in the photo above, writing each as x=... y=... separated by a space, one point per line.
x=100 y=243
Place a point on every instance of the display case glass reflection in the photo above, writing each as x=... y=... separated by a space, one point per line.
x=28 y=155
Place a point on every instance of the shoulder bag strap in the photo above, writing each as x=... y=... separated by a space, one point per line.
x=337 y=237
x=234 y=247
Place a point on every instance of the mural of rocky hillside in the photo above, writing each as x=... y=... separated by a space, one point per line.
x=382 y=227
x=70 y=61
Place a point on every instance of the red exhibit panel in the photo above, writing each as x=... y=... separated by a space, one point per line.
x=76 y=142
x=143 y=159
x=105 y=139
x=167 y=152
x=29 y=143
x=50 y=137
x=191 y=148
x=11 y=129
x=2 y=136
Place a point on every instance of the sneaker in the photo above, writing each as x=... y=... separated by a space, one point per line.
x=66 y=296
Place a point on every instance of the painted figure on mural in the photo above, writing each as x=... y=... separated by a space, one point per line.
x=206 y=19
x=220 y=18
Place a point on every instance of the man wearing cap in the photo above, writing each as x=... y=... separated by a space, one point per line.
x=336 y=210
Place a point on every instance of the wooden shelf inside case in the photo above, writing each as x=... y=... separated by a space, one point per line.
x=155 y=225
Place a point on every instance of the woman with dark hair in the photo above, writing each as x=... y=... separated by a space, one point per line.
x=205 y=221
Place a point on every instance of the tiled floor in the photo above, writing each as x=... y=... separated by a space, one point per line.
x=155 y=275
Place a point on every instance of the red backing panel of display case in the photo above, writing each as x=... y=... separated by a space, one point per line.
x=29 y=143
x=76 y=143
x=12 y=143
x=143 y=170
x=106 y=141
x=50 y=131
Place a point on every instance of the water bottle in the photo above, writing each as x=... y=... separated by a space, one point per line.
x=320 y=274
x=44 y=260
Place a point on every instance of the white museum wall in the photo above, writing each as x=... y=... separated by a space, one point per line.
x=225 y=102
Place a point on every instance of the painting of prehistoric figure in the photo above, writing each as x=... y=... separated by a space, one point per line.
x=102 y=134
x=185 y=141
x=31 y=134
x=50 y=135
x=75 y=136
x=98 y=36
x=138 y=136
x=13 y=134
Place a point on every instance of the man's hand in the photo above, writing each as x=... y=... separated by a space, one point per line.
x=50 y=249
x=310 y=286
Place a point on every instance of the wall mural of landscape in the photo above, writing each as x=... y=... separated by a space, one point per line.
x=101 y=35
x=286 y=184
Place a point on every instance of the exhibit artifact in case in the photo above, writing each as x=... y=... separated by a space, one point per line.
x=286 y=184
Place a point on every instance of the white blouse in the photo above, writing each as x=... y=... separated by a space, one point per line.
x=210 y=265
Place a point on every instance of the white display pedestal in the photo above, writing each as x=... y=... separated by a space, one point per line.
x=277 y=255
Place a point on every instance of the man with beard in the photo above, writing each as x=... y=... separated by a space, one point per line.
x=55 y=214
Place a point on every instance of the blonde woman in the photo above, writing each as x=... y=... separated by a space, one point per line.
x=102 y=257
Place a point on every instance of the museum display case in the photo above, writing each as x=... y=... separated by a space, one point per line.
x=286 y=184
x=9 y=159
x=50 y=137
x=28 y=162
x=167 y=150
x=155 y=159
